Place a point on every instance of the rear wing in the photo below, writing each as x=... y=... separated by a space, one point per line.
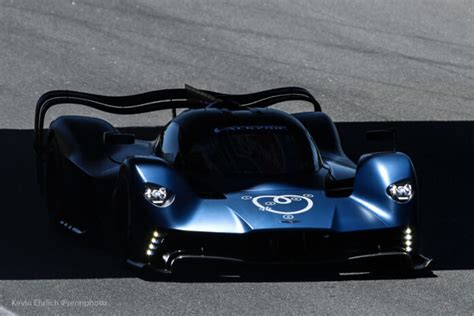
x=188 y=98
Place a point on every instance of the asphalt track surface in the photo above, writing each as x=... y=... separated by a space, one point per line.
x=407 y=60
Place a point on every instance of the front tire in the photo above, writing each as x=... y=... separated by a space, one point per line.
x=128 y=250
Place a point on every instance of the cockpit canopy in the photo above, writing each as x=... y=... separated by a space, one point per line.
x=214 y=142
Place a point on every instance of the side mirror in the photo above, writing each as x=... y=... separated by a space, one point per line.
x=117 y=138
x=382 y=137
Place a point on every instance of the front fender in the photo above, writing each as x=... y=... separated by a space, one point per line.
x=154 y=170
x=375 y=172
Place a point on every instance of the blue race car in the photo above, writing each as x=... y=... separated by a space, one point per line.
x=227 y=182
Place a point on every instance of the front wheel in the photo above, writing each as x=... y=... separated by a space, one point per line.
x=129 y=252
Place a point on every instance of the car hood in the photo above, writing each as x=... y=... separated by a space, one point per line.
x=272 y=208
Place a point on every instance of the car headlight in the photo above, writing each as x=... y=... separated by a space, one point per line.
x=158 y=195
x=401 y=191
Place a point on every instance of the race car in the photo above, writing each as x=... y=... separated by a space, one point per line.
x=229 y=182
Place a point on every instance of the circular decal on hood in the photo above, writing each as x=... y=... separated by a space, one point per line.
x=282 y=204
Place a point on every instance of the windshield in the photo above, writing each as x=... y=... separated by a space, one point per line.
x=249 y=150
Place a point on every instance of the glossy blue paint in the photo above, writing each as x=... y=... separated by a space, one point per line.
x=266 y=205
x=374 y=174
